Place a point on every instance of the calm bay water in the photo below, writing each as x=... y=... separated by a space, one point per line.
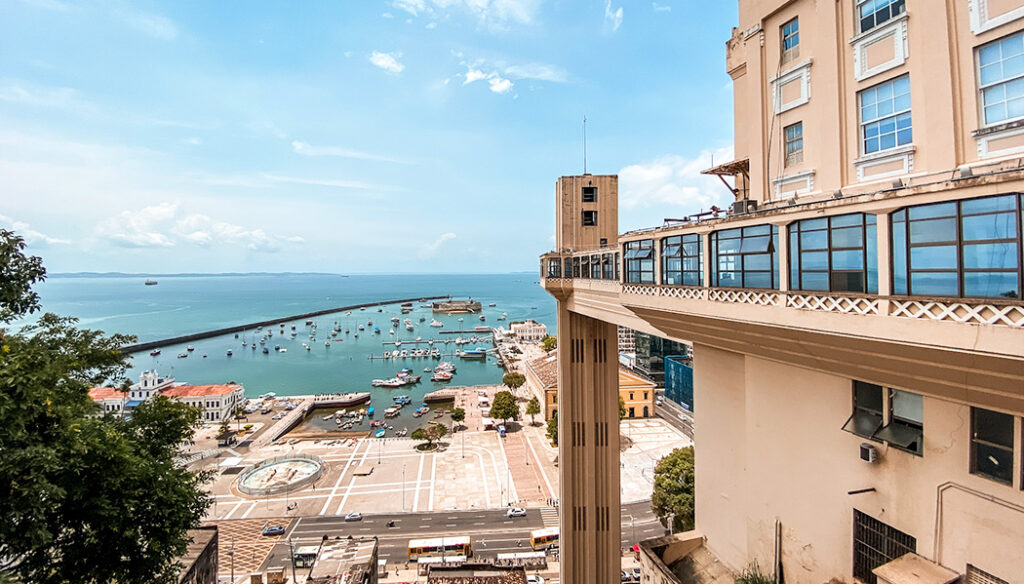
x=182 y=305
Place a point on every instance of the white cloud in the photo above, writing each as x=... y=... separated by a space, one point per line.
x=387 y=15
x=59 y=97
x=387 y=61
x=494 y=13
x=325 y=182
x=673 y=180
x=538 y=71
x=661 y=7
x=31 y=236
x=431 y=249
x=48 y=4
x=495 y=81
x=347 y=54
x=154 y=25
x=167 y=225
x=306 y=149
x=612 y=18
x=192 y=141
x=431 y=25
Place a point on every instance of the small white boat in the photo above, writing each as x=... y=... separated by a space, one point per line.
x=190 y=348
x=436 y=323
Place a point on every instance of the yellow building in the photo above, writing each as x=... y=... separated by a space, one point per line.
x=637 y=393
x=855 y=316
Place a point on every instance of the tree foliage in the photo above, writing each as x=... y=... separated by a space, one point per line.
x=532 y=409
x=549 y=343
x=622 y=407
x=504 y=407
x=432 y=433
x=458 y=415
x=85 y=497
x=553 y=428
x=513 y=380
x=673 y=489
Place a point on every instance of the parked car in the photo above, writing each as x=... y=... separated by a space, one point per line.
x=273 y=530
x=501 y=430
x=516 y=512
x=354 y=516
x=534 y=579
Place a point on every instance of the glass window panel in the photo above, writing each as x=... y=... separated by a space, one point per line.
x=934 y=257
x=887 y=141
x=847 y=220
x=908 y=406
x=933 y=284
x=847 y=281
x=757 y=230
x=933 y=231
x=991 y=284
x=729 y=233
x=902 y=103
x=848 y=237
x=990 y=255
x=872 y=253
x=814 y=281
x=867 y=396
x=813 y=240
x=929 y=211
x=871 y=145
x=809 y=224
x=758 y=280
x=755 y=245
x=760 y=261
x=691 y=279
x=995 y=113
x=994 y=462
x=729 y=245
x=904 y=137
x=691 y=249
x=816 y=260
x=691 y=264
x=852 y=259
x=1015 y=108
x=671 y=251
x=994 y=427
x=729 y=279
x=989 y=54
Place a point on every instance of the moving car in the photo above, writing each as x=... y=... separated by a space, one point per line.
x=273 y=530
x=354 y=516
x=516 y=512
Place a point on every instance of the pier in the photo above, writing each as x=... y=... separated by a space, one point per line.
x=244 y=327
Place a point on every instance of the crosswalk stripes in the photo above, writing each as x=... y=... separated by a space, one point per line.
x=550 y=516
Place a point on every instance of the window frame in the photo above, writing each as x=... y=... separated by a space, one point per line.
x=788 y=54
x=982 y=118
x=796 y=156
x=686 y=277
x=867 y=250
x=589 y=197
x=975 y=441
x=900 y=227
x=640 y=264
x=862 y=125
x=592 y=213
x=894 y=425
x=858 y=408
x=876 y=23
x=744 y=254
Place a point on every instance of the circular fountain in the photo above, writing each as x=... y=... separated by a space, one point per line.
x=280 y=474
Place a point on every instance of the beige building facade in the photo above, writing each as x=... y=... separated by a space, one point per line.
x=636 y=392
x=856 y=316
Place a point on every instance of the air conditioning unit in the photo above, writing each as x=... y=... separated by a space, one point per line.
x=868 y=452
x=744 y=206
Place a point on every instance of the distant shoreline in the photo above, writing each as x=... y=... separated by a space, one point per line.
x=184 y=274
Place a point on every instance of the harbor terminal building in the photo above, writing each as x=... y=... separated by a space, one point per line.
x=217 y=402
x=855 y=313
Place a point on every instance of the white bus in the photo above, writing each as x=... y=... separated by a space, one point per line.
x=458 y=545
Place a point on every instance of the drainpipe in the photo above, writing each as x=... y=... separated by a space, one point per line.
x=940 y=492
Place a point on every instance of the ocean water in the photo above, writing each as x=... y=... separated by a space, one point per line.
x=182 y=305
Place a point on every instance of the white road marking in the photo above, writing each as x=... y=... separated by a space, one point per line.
x=419 y=478
x=327 y=503
x=348 y=491
x=249 y=510
x=433 y=474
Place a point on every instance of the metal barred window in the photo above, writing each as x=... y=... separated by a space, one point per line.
x=976 y=575
x=876 y=544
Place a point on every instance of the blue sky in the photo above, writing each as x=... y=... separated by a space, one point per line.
x=353 y=136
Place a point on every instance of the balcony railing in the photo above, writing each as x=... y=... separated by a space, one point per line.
x=958 y=310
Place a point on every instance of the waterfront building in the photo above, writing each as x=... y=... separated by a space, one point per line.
x=855 y=316
x=637 y=393
x=217 y=402
x=529 y=331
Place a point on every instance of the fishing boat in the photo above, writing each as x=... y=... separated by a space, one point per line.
x=182 y=355
x=155 y=352
x=327 y=343
x=482 y=317
x=380 y=433
x=477 y=353
x=229 y=352
x=423 y=319
x=461 y=319
x=190 y=348
x=401 y=433
x=436 y=323
x=441 y=377
x=407 y=305
x=151 y=282
x=361 y=327
x=408 y=327
x=391 y=332
x=266 y=350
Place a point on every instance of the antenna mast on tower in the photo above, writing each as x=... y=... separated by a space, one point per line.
x=584 y=144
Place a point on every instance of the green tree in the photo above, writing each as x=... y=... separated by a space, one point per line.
x=504 y=407
x=673 y=489
x=622 y=407
x=513 y=380
x=553 y=428
x=549 y=343
x=458 y=415
x=76 y=484
x=532 y=409
x=431 y=434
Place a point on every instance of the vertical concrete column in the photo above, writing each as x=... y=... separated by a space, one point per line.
x=588 y=449
x=884 y=247
x=657 y=261
x=783 y=252
x=705 y=251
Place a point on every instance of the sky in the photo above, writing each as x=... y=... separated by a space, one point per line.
x=360 y=136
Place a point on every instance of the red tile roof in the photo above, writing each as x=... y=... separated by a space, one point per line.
x=198 y=390
x=98 y=393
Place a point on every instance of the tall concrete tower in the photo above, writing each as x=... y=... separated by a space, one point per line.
x=588 y=416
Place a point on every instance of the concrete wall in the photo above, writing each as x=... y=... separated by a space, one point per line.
x=570 y=233
x=770 y=446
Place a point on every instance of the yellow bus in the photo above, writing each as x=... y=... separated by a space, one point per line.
x=543 y=539
x=458 y=545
